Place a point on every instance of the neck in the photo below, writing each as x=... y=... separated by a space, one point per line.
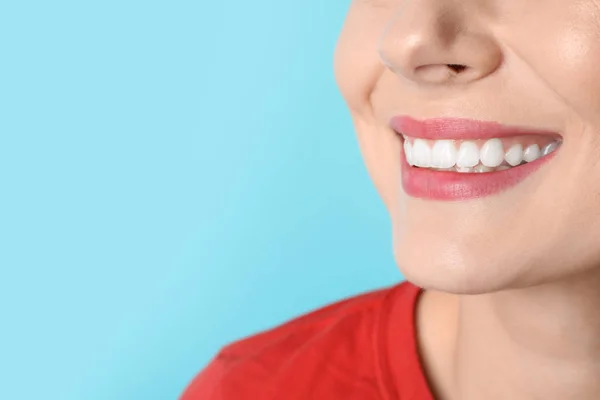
x=541 y=342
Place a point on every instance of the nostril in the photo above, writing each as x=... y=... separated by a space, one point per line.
x=457 y=67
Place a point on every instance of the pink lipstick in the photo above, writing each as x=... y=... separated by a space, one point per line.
x=434 y=184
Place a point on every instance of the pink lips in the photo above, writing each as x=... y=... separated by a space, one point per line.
x=447 y=185
x=458 y=129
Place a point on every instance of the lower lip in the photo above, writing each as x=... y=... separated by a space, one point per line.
x=453 y=186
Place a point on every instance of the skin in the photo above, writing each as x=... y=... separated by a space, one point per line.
x=512 y=280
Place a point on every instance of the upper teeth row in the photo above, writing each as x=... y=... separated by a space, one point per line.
x=444 y=154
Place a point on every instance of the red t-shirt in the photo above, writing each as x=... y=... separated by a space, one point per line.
x=361 y=348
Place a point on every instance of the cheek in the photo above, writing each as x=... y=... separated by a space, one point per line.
x=357 y=65
x=357 y=71
x=574 y=73
x=565 y=54
x=380 y=150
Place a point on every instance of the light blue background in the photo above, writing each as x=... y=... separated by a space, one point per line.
x=174 y=175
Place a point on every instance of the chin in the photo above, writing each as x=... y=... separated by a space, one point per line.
x=449 y=282
x=451 y=269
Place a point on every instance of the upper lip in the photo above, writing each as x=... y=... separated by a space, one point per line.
x=459 y=129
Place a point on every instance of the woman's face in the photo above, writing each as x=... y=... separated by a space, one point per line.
x=531 y=64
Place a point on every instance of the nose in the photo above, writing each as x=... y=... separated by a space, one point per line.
x=439 y=42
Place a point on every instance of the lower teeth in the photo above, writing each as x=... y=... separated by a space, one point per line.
x=479 y=168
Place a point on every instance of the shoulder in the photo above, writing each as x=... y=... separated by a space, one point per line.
x=327 y=353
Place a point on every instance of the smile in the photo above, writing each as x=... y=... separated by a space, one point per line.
x=458 y=159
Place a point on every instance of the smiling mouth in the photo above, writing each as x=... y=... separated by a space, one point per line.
x=459 y=159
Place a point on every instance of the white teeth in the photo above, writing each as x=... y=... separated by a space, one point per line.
x=443 y=154
x=408 y=152
x=532 y=153
x=549 y=148
x=514 y=155
x=421 y=154
x=481 y=168
x=492 y=153
x=468 y=155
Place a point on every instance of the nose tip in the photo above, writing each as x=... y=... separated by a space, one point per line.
x=431 y=45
